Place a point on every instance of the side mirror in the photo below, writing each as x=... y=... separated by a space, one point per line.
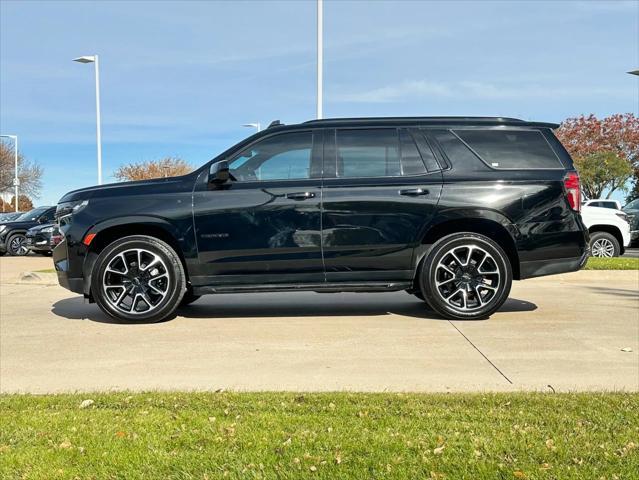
x=219 y=172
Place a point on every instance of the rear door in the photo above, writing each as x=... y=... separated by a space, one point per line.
x=379 y=195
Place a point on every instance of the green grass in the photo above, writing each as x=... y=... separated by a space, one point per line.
x=617 y=263
x=328 y=436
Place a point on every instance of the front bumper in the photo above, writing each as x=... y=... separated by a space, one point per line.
x=40 y=242
x=62 y=266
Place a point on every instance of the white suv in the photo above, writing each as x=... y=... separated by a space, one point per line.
x=603 y=203
x=609 y=229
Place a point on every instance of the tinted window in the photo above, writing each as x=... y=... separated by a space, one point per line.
x=50 y=215
x=511 y=148
x=281 y=157
x=455 y=150
x=367 y=153
x=411 y=160
x=425 y=151
x=32 y=214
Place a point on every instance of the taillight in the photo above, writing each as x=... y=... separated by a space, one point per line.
x=573 y=190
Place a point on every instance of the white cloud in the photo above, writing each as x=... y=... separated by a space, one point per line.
x=475 y=90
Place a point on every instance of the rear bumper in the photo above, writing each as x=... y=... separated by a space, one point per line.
x=540 y=268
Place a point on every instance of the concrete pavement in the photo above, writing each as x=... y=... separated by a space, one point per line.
x=565 y=331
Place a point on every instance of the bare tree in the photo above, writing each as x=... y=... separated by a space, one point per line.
x=166 y=167
x=29 y=172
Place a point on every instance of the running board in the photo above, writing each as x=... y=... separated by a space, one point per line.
x=307 y=287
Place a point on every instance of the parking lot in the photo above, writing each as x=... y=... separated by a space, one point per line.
x=558 y=333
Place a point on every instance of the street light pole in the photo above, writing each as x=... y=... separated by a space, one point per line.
x=94 y=59
x=16 y=180
x=320 y=57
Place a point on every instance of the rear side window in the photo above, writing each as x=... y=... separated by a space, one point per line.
x=412 y=163
x=511 y=148
x=367 y=153
x=454 y=148
x=380 y=152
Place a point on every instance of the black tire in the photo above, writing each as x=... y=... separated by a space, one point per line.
x=189 y=298
x=169 y=268
x=604 y=244
x=419 y=294
x=475 y=295
x=17 y=245
x=2 y=254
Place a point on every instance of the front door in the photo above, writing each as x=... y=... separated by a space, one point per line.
x=378 y=203
x=263 y=226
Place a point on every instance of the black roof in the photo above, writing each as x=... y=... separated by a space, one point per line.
x=460 y=121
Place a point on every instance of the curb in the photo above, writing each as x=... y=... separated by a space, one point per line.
x=38 y=278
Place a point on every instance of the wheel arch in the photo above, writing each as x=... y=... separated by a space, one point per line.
x=612 y=230
x=111 y=230
x=12 y=233
x=494 y=227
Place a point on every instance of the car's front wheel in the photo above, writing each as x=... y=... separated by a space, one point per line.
x=17 y=245
x=138 y=279
x=466 y=276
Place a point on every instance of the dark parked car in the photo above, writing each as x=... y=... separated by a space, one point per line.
x=448 y=209
x=13 y=238
x=42 y=239
x=632 y=209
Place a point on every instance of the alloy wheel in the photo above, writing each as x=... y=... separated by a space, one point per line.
x=18 y=245
x=602 y=247
x=136 y=281
x=467 y=277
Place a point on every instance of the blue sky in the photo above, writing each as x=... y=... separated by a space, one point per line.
x=179 y=78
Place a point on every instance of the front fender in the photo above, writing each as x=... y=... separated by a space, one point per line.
x=181 y=240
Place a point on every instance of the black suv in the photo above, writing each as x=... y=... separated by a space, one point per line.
x=13 y=238
x=448 y=209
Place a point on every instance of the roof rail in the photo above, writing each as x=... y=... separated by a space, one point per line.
x=418 y=119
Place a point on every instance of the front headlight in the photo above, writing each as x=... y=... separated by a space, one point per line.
x=48 y=229
x=623 y=216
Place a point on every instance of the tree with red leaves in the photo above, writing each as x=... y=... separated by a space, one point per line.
x=605 y=151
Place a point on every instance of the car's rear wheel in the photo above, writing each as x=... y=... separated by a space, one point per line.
x=17 y=245
x=138 y=279
x=466 y=276
x=604 y=244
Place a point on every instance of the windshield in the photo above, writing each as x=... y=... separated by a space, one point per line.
x=634 y=205
x=31 y=215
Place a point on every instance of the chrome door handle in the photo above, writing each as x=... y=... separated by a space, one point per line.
x=300 y=195
x=413 y=192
